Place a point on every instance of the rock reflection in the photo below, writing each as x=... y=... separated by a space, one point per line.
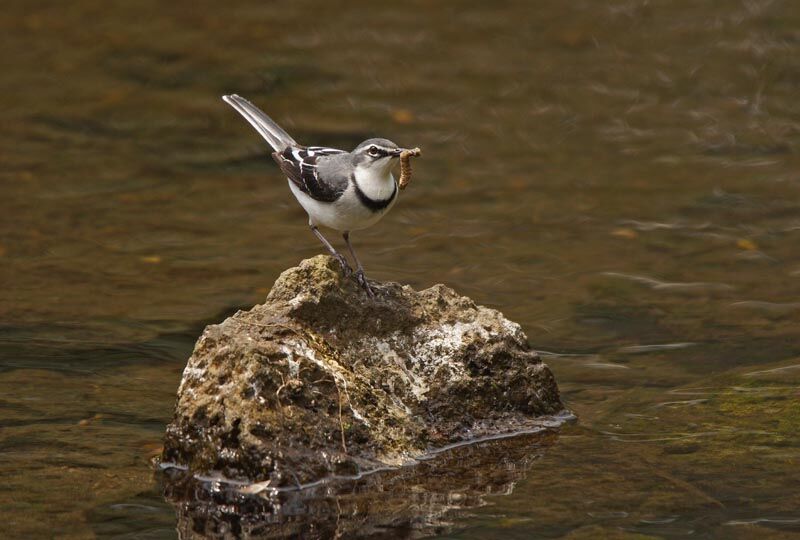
x=409 y=502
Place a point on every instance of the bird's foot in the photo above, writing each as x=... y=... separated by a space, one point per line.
x=362 y=280
x=346 y=270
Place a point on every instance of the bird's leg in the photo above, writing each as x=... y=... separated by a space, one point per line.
x=342 y=261
x=359 y=275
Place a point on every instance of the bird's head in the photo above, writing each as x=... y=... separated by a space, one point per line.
x=377 y=155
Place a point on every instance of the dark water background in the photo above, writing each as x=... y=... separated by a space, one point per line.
x=621 y=178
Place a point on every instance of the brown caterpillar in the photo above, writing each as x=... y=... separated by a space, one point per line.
x=405 y=166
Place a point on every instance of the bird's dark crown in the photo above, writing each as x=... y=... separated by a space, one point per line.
x=381 y=144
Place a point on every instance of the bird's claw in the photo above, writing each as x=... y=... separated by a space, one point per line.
x=362 y=280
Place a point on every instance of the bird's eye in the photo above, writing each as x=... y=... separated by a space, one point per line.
x=373 y=151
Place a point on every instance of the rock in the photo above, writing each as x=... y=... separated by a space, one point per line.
x=321 y=380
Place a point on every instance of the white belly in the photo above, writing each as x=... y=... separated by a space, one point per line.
x=345 y=214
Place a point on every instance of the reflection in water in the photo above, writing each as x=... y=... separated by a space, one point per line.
x=409 y=502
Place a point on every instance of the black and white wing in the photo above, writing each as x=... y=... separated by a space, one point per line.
x=300 y=165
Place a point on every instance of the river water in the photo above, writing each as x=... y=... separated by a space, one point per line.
x=621 y=178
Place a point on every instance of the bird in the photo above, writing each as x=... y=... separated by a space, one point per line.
x=340 y=190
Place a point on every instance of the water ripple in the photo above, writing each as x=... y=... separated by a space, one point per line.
x=685 y=403
x=770 y=307
x=656 y=347
x=754 y=521
x=775 y=370
x=605 y=365
x=695 y=286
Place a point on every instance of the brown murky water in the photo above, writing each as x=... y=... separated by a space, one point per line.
x=619 y=177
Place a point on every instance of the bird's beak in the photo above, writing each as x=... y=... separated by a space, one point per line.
x=396 y=152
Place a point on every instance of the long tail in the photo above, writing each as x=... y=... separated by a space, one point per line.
x=277 y=138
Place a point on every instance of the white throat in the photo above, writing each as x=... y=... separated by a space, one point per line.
x=377 y=183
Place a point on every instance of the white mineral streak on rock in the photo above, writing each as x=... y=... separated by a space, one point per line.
x=299 y=300
x=436 y=347
x=190 y=373
x=294 y=366
x=416 y=384
x=327 y=365
x=193 y=373
x=512 y=328
x=357 y=415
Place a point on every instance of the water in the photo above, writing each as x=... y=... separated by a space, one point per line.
x=620 y=178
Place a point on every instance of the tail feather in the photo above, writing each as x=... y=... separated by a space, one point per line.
x=277 y=138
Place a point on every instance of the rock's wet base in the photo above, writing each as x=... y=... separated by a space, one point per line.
x=408 y=502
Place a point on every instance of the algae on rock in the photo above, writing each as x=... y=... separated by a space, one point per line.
x=321 y=380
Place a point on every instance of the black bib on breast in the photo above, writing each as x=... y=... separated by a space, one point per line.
x=376 y=205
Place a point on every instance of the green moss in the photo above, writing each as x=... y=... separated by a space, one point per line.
x=775 y=408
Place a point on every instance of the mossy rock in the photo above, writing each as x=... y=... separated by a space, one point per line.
x=323 y=380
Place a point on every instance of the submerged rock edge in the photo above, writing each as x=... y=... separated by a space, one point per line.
x=321 y=381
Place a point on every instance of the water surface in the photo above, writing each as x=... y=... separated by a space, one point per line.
x=621 y=178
